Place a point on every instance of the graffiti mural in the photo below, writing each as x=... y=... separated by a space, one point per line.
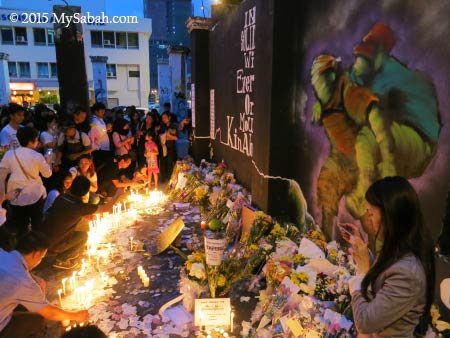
x=380 y=117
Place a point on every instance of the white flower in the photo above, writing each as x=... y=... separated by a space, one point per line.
x=198 y=271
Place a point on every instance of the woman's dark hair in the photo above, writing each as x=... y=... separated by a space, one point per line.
x=78 y=110
x=90 y=331
x=80 y=186
x=168 y=115
x=119 y=125
x=404 y=232
x=26 y=134
x=62 y=178
x=124 y=157
x=32 y=241
x=48 y=118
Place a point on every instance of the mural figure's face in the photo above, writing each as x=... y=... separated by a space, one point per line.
x=324 y=86
x=376 y=220
x=362 y=67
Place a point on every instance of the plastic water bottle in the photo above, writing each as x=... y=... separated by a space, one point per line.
x=49 y=156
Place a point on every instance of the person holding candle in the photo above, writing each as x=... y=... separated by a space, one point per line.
x=20 y=287
x=60 y=225
x=391 y=295
x=115 y=177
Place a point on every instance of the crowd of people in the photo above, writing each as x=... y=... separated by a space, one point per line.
x=58 y=169
x=70 y=169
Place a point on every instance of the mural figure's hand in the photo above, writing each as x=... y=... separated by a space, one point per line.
x=316 y=112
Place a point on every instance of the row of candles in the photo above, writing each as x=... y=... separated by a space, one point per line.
x=78 y=285
x=143 y=276
x=222 y=331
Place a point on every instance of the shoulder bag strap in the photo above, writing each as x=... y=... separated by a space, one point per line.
x=28 y=176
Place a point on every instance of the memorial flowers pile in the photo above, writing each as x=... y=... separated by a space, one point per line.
x=301 y=279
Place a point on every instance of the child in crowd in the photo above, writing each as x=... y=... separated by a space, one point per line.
x=151 y=154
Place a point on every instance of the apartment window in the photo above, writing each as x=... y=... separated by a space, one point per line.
x=24 y=69
x=39 y=36
x=53 y=70
x=12 y=69
x=121 y=40
x=7 y=36
x=96 y=39
x=42 y=69
x=133 y=41
x=111 y=71
x=134 y=73
x=50 y=37
x=21 y=35
x=109 y=40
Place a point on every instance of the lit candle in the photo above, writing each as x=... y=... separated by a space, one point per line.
x=124 y=206
x=231 y=321
x=140 y=270
x=74 y=276
x=146 y=282
x=63 y=281
x=131 y=243
x=59 y=296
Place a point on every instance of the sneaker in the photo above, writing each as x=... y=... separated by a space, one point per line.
x=65 y=265
x=73 y=255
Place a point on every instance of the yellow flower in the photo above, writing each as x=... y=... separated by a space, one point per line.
x=278 y=231
x=333 y=254
x=221 y=281
x=317 y=235
x=299 y=259
x=299 y=278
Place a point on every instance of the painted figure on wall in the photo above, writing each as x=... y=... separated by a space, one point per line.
x=389 y=114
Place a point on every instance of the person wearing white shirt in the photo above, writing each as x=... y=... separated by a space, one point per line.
x=25 y=166
x=99 y=137
x=21 y=287
x=8 y=136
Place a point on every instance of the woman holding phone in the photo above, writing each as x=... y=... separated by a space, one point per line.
x=391 y=295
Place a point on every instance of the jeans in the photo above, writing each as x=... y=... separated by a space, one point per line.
x=25 y=325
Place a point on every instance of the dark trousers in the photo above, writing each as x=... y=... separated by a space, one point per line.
x=20 y=217
x=25 y=325
x=167 y=163
x=72 y=243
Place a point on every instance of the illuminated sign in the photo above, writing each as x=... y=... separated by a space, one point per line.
x=21 y=86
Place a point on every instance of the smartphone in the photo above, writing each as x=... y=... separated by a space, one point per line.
x=344 y=228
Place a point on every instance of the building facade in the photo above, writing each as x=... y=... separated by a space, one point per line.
x=169 y=21
x=32 y=59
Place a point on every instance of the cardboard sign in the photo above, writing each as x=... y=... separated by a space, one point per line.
x=165 y=238
x=212 y=312
x=248 y=215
